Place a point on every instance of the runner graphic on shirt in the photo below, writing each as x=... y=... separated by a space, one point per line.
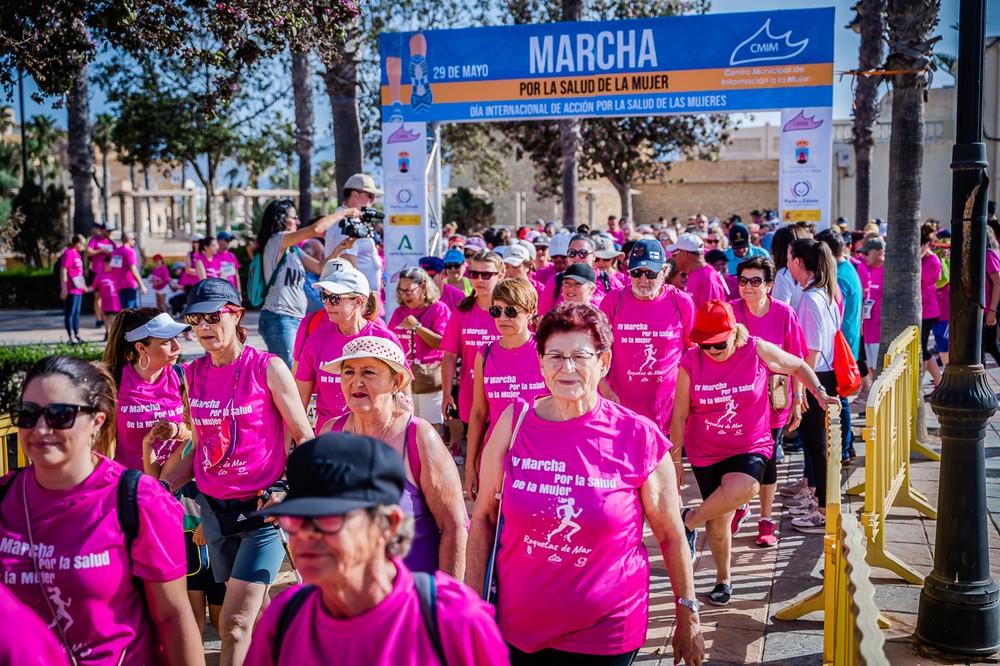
x=725 y=421
x=60 y=606
x=566 y=512
x=650 y=358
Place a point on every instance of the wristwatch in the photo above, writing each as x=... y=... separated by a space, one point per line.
x=689 y=603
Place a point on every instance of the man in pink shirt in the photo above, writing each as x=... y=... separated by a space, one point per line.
x=704 y=283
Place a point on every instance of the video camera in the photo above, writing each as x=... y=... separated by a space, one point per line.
x=362 y=227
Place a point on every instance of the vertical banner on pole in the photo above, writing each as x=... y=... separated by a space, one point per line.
x=805 y=165
x=404 y=165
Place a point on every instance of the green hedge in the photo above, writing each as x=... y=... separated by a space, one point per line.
x=29 y=289
x=16 y=360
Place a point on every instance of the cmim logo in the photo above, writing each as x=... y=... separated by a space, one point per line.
x=765 y=47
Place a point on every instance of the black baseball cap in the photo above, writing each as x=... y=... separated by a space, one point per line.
x=211 y=295
x=338 y=472
x=581 y=273
x=739 y=235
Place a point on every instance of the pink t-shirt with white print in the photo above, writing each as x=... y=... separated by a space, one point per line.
x=79 y=549
x=213 y=265
x=239 y=431
x=140 y=405
x=73 y=263
x=509 y=374
x=572 y=571
x=705 y=284
x=35 y=644
x=325 y=345
x=650 y=338
x=730 y=407
x=780 y=327
x=466 y=333
x=393 y=633
x=121 y=262
x=434 y=317
x=160 y=277
x=229 y=267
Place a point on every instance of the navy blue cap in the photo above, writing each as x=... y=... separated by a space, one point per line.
x=435 y=264
x=647 y=253
x=739 y=235
x=211 y=295
x=224 y=235
x=713 y=256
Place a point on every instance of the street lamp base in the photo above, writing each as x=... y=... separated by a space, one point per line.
x=959 y=619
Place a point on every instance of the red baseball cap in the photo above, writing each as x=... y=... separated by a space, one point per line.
x=713 y=323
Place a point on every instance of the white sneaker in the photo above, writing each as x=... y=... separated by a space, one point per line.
x=805 y=509
x=814 y=523
x=792 y=489
x=801 y=498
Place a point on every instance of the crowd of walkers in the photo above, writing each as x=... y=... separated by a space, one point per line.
x=573 y=375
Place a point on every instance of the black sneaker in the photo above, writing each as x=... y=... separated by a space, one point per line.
x=720 y=594
x=691 y=535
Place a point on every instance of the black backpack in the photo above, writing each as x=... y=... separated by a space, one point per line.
x=426 y=593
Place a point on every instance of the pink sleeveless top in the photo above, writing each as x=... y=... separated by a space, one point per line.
x=140 y=405
x=509 y=374
x=730 y=409
x=240 y=432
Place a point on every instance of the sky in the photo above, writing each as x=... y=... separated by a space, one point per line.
x=846 y=47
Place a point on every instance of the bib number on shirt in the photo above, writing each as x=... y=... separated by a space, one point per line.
x=117 y=262
x=228 y=270
x=869 y=304
x=79 y=282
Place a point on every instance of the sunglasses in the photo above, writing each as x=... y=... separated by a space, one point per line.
x=451 y=267
x=480 y=275
x=59 y=416
x=718 y=346
x=582 y=254
x=329 y=525
x=637 y=273
x=210 y=317
x=333 y=299
x=711 y=241
x=510 y=311
x=755 y=281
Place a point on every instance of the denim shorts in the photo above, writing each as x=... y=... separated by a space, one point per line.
x=253 y=557
x=278 y=331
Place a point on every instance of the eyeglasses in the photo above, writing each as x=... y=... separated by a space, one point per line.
x=59 y=416
x=334 y=299
x=209 y=317
x=755 y=281
x=451 y=267
x=328 y=525
x=406 y=291
x=637 y=273
x=582 y=254
x=579 y=359
x=510 y=311
x=719 y=346
x=480 y=275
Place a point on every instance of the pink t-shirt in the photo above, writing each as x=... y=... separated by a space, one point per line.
x=705 y=284
x=240 y=432
x=229 y=267
x=213 y=265
x=548 y=300
x=779 y=326
x=31 y=642
x=730 y=409
x=572 y=571
x=392 y=633
x=871 y=305
x=435 y=317
x=509 y=374
x=73 y=263
x=992 y=266
x=188 y=278
x=121 y=261
x=451 y=296
x=160 y=277
x=650 y=338
x=140 y=405
x=323 y=346
x=543 y=274
x=83 y=564
x=466 y=333
x=98 y=262
x=930 y=271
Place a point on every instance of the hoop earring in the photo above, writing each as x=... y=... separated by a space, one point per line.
x=148 y=361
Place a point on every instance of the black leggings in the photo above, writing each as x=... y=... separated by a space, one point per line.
x=812 y=434
x=553 y=657
x=926 y=326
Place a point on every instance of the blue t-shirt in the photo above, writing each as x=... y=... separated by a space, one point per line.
x=735 y=261
x=850 y=288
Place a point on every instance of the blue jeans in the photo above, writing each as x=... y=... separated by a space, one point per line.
x=128 y=298
x=278 y=331
x=71 y=314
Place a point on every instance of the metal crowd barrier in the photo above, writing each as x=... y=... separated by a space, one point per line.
x=11 y=456
x=890 y=435
x=851 y=633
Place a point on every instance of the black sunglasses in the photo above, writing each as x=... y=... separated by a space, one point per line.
x=59 y=416
x=480 y=275
x=637 y=273
x=755 y=281
x=333 y=299
x=582 y=254
x=718 y=346
x=451 y=267
x=495 y=311
x=210 y=317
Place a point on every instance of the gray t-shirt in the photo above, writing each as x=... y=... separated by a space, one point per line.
x=287 y=294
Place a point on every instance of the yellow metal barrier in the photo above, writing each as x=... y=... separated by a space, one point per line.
x=890 y=434
x=851 y=633
x=11 y=455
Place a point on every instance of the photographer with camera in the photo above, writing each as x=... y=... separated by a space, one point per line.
x=360 y=192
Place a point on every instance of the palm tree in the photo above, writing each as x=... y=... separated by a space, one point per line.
x=342 y=80
x=101 y=134
x=911 y=24
x=304 y=131
x=81 y=150
x=42 y=138
x=869 y=22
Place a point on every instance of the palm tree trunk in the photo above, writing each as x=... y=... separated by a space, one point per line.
x=81 y=152
x=342 y=80
x=625 y=195
x=105 y=191
x=872 y=27
x=302 y=92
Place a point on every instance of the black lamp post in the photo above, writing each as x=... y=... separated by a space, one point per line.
x=959 y=610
